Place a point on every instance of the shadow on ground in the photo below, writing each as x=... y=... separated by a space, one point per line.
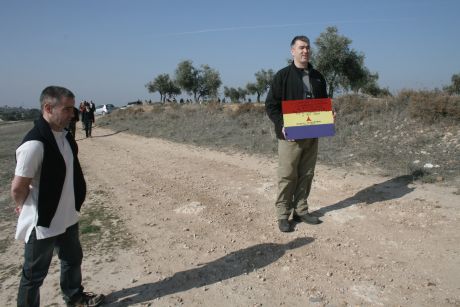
x=103 y=136
x=231 y=265
x=390 y=189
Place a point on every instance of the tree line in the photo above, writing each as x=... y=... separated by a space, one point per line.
x=342 y=66
x=18 y=113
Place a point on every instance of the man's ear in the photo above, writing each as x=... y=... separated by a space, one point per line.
x=47 y=108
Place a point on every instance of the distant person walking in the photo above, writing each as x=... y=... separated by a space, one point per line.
x=87 y=118
x=82 y=109
x=92 y=106
x=49 y=189
x=296 y=158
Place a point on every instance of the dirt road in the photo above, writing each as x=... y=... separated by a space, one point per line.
x=203 y=233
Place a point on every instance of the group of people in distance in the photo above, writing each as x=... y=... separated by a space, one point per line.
x=49 y=188
x=87 y=110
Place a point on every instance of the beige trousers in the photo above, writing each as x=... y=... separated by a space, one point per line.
x=296 y=167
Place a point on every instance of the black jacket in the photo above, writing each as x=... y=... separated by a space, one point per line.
x=53 y=172
x=287 y=84
x=87 y=116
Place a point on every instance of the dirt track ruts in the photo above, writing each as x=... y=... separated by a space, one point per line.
x=204 y=233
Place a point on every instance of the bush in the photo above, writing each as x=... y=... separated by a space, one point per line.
x=13 y=113
x=213 y=107
x=428 y=106
x=237 y=109
x=431 y=106
x=376 y=132
x=355 y=108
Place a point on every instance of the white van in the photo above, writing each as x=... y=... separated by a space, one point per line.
x=104 y=109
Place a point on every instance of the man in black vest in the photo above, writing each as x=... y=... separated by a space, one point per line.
x=49 y=189
x=296 y=158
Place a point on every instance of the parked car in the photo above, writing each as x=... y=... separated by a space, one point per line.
x=104 y=109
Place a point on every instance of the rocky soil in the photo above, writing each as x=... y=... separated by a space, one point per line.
x=186 y=226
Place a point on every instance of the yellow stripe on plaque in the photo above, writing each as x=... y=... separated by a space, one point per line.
x=308 y=118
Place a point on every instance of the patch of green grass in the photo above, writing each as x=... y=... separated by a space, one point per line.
x=101 y=229
x=90 y=229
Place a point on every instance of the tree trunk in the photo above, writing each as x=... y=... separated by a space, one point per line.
x=331 y=90
x=331 y=83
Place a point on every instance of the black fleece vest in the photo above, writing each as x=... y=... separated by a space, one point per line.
x=53 y=172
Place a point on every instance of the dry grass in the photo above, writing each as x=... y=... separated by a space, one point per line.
x=227 y=127
x=395 y=135
x=432 y=106
x=11 y=135
x=399 y=135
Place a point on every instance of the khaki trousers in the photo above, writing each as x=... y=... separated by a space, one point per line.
x=296 y=167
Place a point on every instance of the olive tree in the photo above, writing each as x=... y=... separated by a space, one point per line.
x=454 y=87
x=200 y=82
x=163 y=85
x=235 y=94
x=341 y=66
x=262 y=84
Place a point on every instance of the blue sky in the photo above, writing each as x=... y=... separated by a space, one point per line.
x=106 y=51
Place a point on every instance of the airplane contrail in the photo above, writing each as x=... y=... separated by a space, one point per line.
x=227 y=29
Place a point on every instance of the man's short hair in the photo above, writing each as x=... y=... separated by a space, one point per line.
x=302 y=38
x=53 y=95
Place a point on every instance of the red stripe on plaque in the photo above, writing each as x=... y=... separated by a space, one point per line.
x=306 y=105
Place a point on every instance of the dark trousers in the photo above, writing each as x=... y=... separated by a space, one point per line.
x=37 y=259
x=88 y=127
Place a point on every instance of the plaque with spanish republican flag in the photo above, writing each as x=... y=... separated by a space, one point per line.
x=308 y=118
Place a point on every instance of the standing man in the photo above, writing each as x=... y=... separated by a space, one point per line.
x=296 y=158
x=82 y=110
x=92 y=106
x=87 y=117
x=49 y=189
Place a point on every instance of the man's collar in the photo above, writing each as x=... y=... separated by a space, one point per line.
x=309 y=67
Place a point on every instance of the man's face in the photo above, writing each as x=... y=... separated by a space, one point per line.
x=60 y=115
x=300 y=53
